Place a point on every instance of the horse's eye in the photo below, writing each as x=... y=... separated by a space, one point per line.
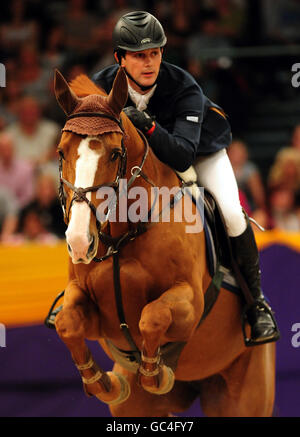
x=61 y=154
x=115 y=154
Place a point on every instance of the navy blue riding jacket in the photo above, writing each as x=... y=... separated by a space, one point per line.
x=186 y=126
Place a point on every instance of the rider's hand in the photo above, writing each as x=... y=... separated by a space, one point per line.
x=141 y=119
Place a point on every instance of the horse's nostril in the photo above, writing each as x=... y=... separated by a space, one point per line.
x=91 y=246
x=69 y=248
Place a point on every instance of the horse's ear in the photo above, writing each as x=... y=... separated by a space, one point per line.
x=66 y=98
x=118 y=95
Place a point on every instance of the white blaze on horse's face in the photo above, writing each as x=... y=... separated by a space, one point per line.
x=78 y=235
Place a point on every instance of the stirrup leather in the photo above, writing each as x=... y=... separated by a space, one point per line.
x=50 y=319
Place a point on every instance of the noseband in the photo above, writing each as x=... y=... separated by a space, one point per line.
x=79 y=193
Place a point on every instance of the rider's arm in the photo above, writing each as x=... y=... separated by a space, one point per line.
x=178 y=147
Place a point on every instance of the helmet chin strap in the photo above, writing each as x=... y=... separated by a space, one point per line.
x=142 y=87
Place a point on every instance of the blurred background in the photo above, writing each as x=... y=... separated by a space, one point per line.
x=242 y=53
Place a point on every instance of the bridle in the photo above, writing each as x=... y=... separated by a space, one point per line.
x=79 y=193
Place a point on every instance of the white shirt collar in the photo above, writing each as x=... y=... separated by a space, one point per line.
x=141 y=100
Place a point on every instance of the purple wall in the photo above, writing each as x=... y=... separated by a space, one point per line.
x=38 y=378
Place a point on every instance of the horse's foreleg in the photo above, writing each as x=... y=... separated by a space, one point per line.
x=169 y=318
x=78 y=320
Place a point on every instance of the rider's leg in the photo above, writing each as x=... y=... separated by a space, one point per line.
x=216 y=174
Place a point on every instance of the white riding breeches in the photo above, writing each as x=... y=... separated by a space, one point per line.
x=215 y=173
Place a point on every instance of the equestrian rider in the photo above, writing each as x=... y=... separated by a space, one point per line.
x=188 y=130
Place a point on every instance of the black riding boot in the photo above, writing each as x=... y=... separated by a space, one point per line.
x=258 y=314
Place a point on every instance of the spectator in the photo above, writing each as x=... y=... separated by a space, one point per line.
x=244 y=202
x=247 y=175
x=32 y=75
x=33 y=230
x=209 y=37
x=285 y=171
x=295 y=140
x=44 y=210
x=283 y=209
x=79 y=26
x=54 y=55
x=8 y=214
x=232 y=17
x=18 y=31
x=178 y=23
x=16 y=175
x=294 y=144
x=11 y=97
x=103 y=41
x=33 y=135
x=51 y=166
x=281 y=20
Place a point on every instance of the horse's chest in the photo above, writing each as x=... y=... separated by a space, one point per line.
x=117 y=303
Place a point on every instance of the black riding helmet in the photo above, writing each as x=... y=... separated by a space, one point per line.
x=138 y=30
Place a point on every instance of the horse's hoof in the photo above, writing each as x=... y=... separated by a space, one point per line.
x=124 y=388
x=166 y=384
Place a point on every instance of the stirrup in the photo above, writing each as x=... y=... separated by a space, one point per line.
x=50 y=319
x=256 y=342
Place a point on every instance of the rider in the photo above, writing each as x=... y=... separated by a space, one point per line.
x=185 y=128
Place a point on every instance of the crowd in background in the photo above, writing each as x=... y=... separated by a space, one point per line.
x=75 y=36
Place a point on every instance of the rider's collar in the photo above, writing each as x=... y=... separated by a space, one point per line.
x=141 y=100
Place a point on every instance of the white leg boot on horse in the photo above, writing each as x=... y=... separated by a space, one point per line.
x=142 y=403
x=79 y=319
x=216 y=174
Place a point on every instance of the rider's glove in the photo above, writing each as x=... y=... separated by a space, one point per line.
x=141 y=119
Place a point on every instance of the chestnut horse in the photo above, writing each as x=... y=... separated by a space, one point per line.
x=139 y=288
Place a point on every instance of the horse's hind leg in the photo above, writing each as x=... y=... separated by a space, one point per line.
x=169 y=318
x=78 y=320
x=245 y=389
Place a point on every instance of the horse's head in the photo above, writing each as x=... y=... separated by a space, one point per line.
x=92 y=155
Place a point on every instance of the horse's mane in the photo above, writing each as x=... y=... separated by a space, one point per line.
x=83 y=86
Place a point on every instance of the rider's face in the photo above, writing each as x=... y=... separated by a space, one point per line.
x=143 y=66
